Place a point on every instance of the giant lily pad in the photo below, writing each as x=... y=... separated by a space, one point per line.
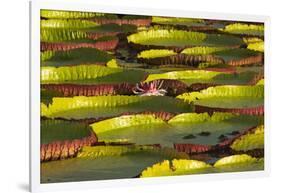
x=105 y=162
x=59 y=130
x=178 y=21
x=238 y=163
x=180 y=38
x=245 y=29
x=142 y=129
x=164 y=57
x=89 y=74
x=107 y=106
x=61 y=139
x=205 y=76
x=74 y=57
x=251 y=141
x=67 y=24
x=59 y=14
x=176 y=167
x=61 y=35
x=228 y=98
x=115 y=28
x=240 y=57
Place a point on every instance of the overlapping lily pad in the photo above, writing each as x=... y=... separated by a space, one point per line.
x=125 y=96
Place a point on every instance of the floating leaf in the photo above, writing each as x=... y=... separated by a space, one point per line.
x=250 y=141
x=208 y=76
x=124 y=21
x=175 y=168
x=188 y=74
x=176 y=20
x=106 y=162
x=156 y=53
x=141 y=129
x=67 y=24
x=108 y=106
x=104 y=43
x=58 y=130
x=74 y=57
x=111 y=28
x=61 y=139
x=89 y=74
x=164 y=57
x=237 y=163
x=258 y=46
x=202 y=50
x=89 y=90
x=58 y=14
x=167 y=37
x=124 y=122
x=59 y=150
x=61 y=35
x=247 y=29
x=240 y=57
x=180 y=38
x=236 y=99
x=249 y=40
x=201 y=117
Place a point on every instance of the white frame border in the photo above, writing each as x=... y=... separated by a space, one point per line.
x=34 y=136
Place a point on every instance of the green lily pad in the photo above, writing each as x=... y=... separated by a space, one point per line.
x=59 y=14
x=176 y=167
x=61 y=35
x=142 y=129
x=239 y=163
x=90 y=74
x=205 y=76
x=237 y=54
x=202 y=50
x=245 y=29
x=250 y=141
x=81 y=107
x=257 y=46
x=105 y=162
x=235 y=163
x=180 y=38
x=60 y=130
x=125 y=28
x=227 y=97
x=67 y=24
x=74 y=57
